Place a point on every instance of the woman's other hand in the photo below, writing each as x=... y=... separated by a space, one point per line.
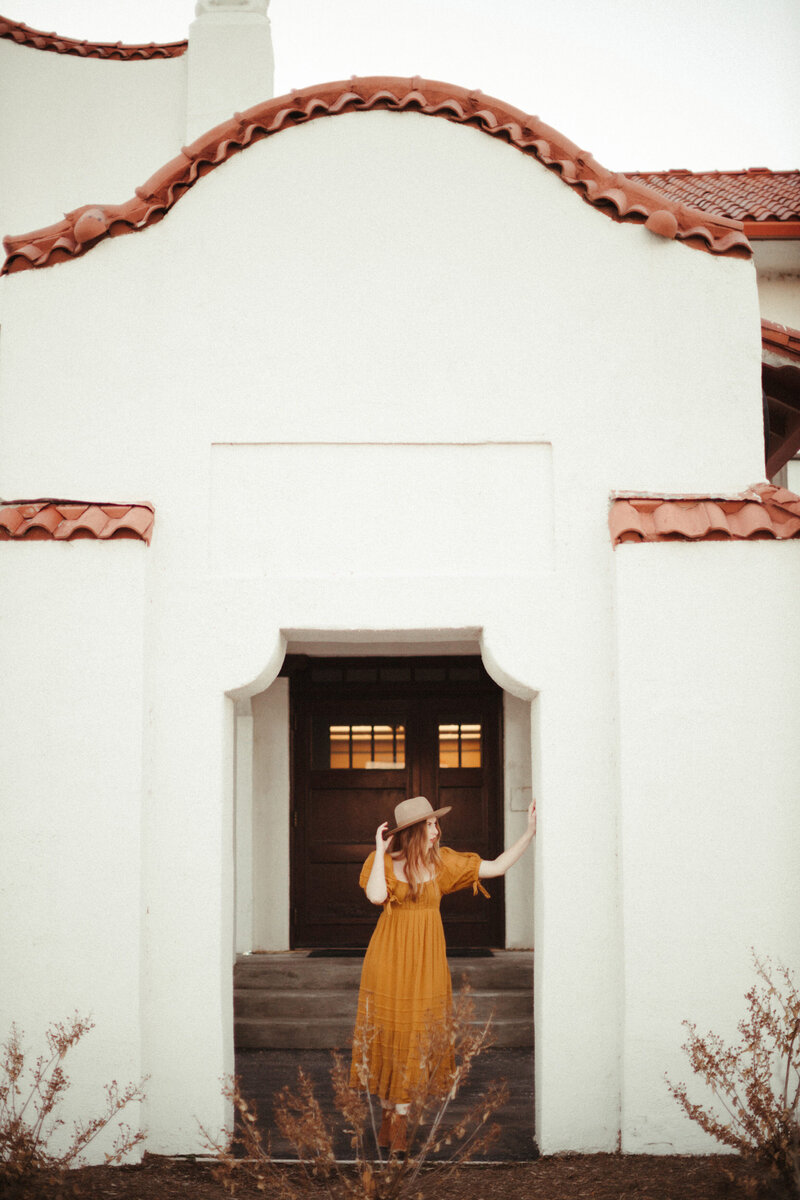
x=532 y=818
x=382 y=842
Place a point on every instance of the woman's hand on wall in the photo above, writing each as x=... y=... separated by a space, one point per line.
x=492 y=868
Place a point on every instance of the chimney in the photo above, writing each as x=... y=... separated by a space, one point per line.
x=230 y=63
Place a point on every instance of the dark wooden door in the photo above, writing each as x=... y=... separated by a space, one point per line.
x=366 y=734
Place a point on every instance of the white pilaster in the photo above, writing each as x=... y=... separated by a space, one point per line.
x=244 y=828
x=230 y=62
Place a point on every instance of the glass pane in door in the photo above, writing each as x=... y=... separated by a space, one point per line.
x=460 y=745
x=361 y=747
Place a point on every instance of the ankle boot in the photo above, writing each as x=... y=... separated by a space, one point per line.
x=385 y=1131
x=397 y=1137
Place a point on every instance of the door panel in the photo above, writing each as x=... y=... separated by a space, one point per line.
x=466 y=826
x=366 y=734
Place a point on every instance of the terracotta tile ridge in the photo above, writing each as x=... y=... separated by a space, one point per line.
x=37 y=39
x=780 y=339
x=66 y=520
x=620 y=198
x=761 y=511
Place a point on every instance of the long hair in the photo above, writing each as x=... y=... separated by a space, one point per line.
x=421 y=857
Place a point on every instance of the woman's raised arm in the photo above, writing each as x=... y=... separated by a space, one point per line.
x=376 y=888
x=491 y=868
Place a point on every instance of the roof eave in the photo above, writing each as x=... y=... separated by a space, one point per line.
x=771 y=230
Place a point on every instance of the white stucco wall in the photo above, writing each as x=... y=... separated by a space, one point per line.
x=71 y=714
x=777 y=263
x=709 y=684
x=430 y=275
x=82 y=130
x=779 y=297
x=403 y=317
x=792 y=470
x=89 y=130
x=229 y=67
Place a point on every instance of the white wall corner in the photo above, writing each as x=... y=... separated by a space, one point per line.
x=243 y=816
x=517 y=772
x=230 y=64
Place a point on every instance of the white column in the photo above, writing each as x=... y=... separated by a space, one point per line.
x=271 y=834
x=244 y=828
x=230 y=64
x=518 y=793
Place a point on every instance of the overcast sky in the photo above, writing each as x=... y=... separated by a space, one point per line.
x=642 y=84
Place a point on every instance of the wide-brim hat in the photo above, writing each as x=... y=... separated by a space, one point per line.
x=412 y=811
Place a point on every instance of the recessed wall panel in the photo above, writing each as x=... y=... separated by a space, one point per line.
x=365 y=509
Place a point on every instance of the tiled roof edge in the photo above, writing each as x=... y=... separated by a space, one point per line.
x=620 y=198
x=66 y=520
x=767 y=202
x=741 y=173
x=781 y=339
x=787 y=230
x=36 y=39
x=762 y=511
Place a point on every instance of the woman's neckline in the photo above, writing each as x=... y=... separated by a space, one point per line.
x=393 y=861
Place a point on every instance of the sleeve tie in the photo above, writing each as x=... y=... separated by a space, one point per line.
x=478 y=887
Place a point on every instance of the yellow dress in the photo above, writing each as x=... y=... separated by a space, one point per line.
x=405 y=980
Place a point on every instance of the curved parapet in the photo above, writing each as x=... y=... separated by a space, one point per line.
x=36 y=39
x=613 y=194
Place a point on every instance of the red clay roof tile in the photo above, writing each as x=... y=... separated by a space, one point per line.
x=766 y=202
x=781 y=339
x=67 y=520
x=36 y=39
x=618 y=196
x=762 y=511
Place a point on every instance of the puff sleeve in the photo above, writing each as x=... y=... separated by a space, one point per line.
x=366 y=871
x=459 y=871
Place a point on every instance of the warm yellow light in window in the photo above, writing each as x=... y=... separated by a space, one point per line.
x=364 y=747
x=459 y=745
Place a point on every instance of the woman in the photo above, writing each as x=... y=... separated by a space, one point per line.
x=405 y=981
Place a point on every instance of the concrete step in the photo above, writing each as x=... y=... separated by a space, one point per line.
x=293 y=1001
x=295 y=969
x=262 y=1004
x=331 y=1033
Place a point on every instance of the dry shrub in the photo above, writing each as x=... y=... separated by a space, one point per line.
x=29 y=1100
x=756 y=1081
x=446 y=1059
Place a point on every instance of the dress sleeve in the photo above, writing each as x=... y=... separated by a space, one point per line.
x=366 y=871
x=459 y=871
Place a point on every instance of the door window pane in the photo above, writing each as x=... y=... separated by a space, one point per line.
x=459 y=745
x=366 y=747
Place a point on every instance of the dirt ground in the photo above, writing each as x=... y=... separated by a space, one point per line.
x=569 y=1177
